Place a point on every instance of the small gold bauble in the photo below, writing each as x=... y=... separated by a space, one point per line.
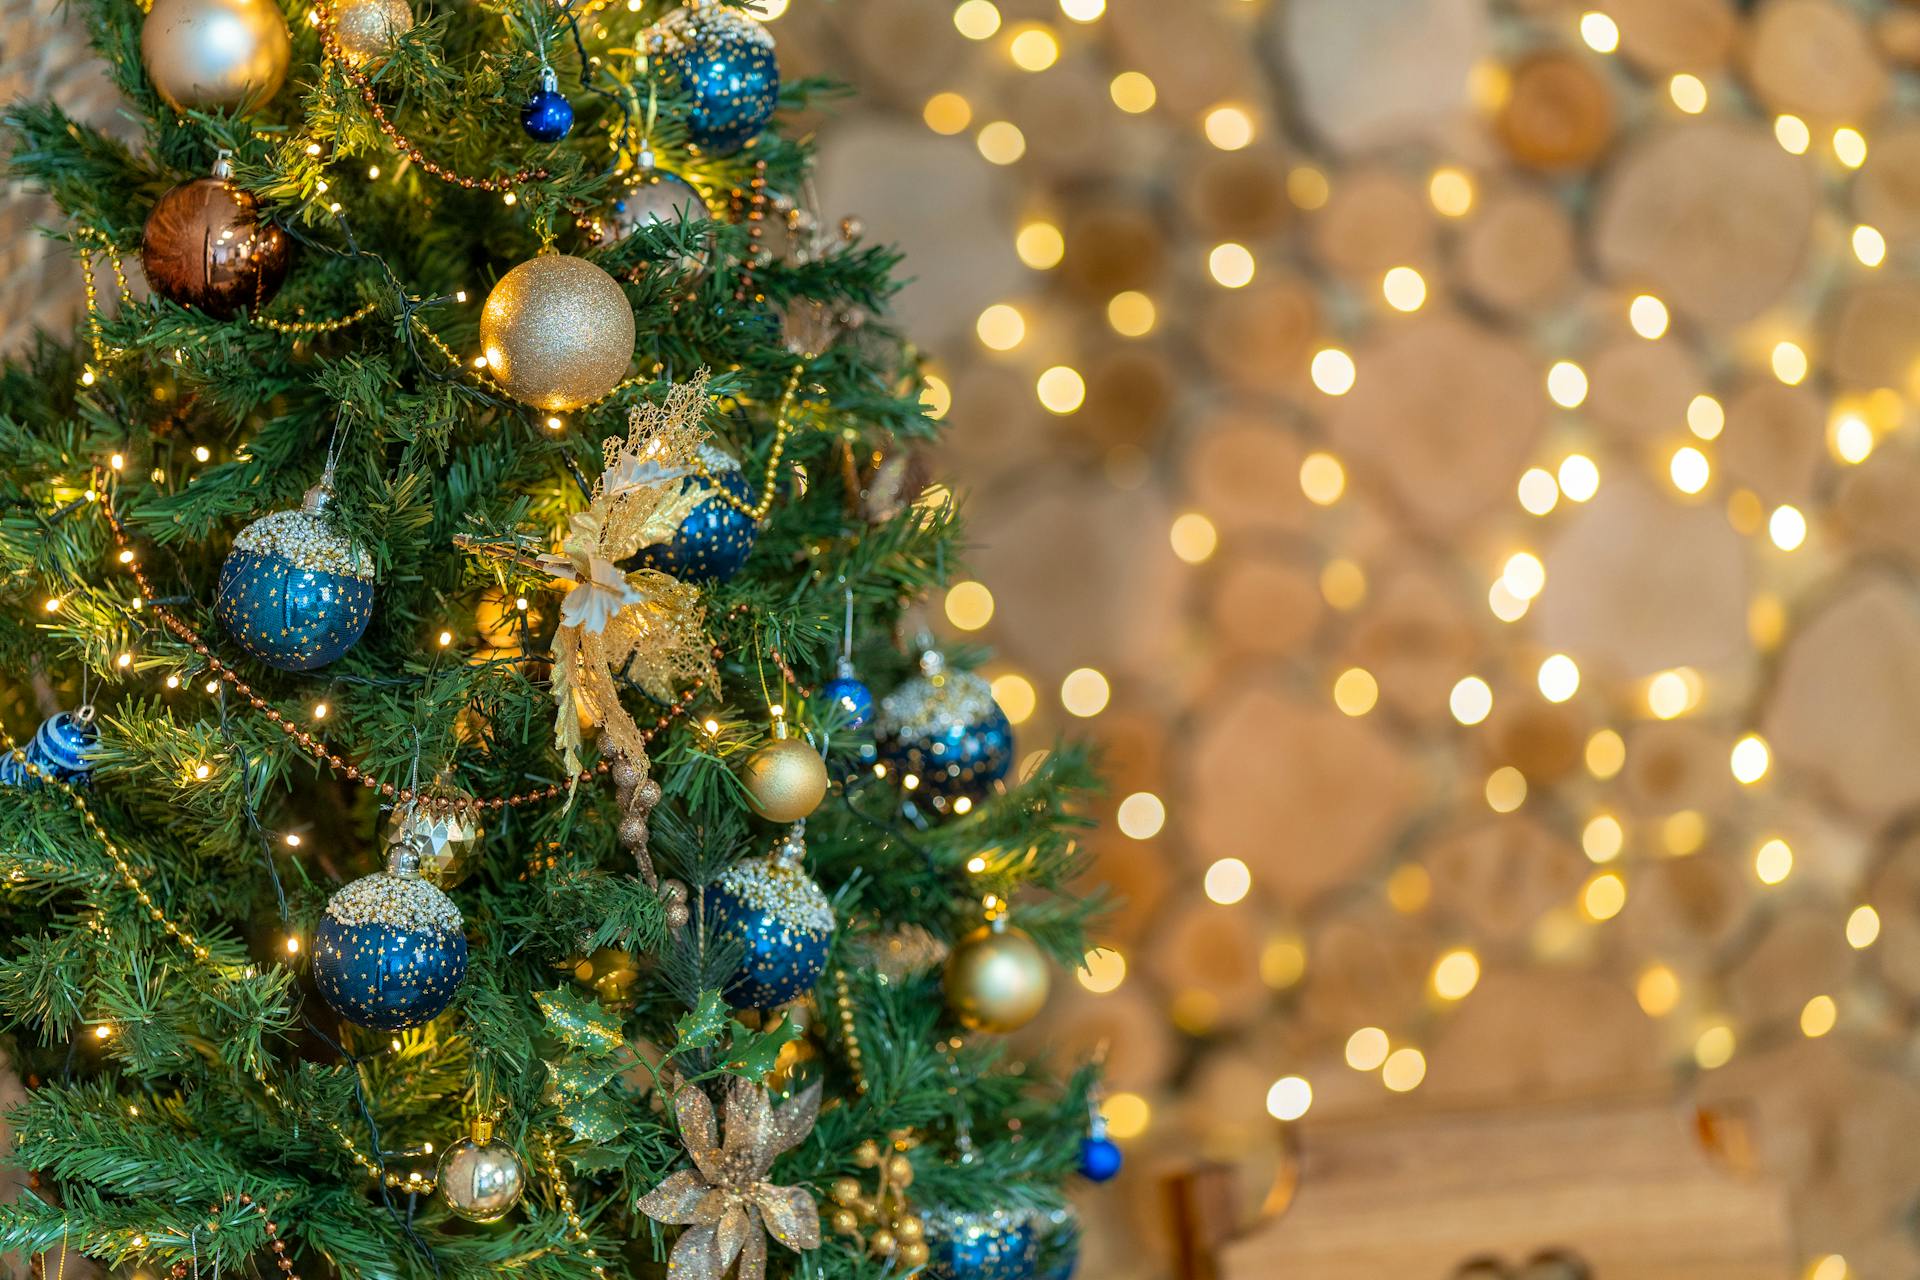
x=481 y=1179
x=996 y=979
x=914 y=1253
x=557 y=332
x=900 y=1170
x=867 y=1154
x=910 y=1228
x=883 y=1243
x=786 y=780
x=844 y=1191
x=215 y=54
x=845 y=1222
x=368 y=29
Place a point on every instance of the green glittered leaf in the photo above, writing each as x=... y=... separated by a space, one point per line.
x=752 y=1054
x=575 y=1078
x=701 y=1028
x=579 y=1021
x=598 y=1118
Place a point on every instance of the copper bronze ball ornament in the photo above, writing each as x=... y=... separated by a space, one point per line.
x=205 y=246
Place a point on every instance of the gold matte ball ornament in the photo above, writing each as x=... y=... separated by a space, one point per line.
x=480 y=1177
x=368 y=29
x=996 y=979
x=557 y=332
x=215 y=54
x=786 y=780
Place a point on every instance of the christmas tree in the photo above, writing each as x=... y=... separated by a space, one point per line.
x=448 y=826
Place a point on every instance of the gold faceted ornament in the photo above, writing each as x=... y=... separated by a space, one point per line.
x=215 y=54
x=996 y=978
x=481 y=1178
x=557 y=332
x=442 y=825
x=368 y=29
x=786 y=780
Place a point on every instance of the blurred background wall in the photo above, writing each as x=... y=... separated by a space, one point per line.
x=1456 y=458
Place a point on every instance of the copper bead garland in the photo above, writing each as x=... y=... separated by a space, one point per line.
x=205 y=246
x=557 y=332
x=786 y=780
x=215 y=55
x=996 y=979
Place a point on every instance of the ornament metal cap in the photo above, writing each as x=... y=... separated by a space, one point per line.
x=481 y=1130
x=222 y=164
x=792 y=849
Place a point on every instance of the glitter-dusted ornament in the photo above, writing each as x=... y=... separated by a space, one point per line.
x=557 y=332
x=772 y=908
x=714 y=537
x=294 y=592
x=995 y=1245
x=996 y=979
x=205 y=246
x=390 y=953
x=786 y=780
x=725 y=63
x=441 y=826
x=547 y=116
x=367 y=30
x=61 y=748
x=943 y=738
x=650 y=197
x=215 y=55
x=480 y=1177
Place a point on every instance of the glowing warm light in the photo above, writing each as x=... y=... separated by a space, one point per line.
x=1451 y=192
x=1750 y=759
x=936 y=397
x=1033 y=48
x=1102 y=970
x=1601 y=33
x=1787 y=527
x=1307 y=187
x=1040 y=245
x=1689 y=93
x=1084 y=692
x=1356 y=691
x=1127 y=1115
x=1289 y=1098
x=1648 y=316
x=1132 y=92
x=1673 y=693
x=1559 y=678
x=947 y=113
x=1714 y=1048
x=1001 y=327
x=1333 y=371
x=1283 y=962
x=1849 y=147
x=969 y=605
x=1403 y=1070
x=1471 y=700
x=1869 y=246
x=1850 y=438
x=1831 y=1266
x=1193 y=537
x=1015 y=695
x=1579 y=477
x=1322 y=479
x=1505 y=605
x=1141 y=815
x=1228 y=881
x=445 y=638
x=1231 y=265
x=1657 y=990
x=1131 y=314
x=1604 y=896
x=1539 y=491
x=1791 y=132
x=1228 y=127
x=1409 y=888
x=1506 y=789
x=1602 y=838
x=1367 y=1048
x=1061 y=389
x=1773 y=861
x=1404 y=289
x=1689 y=469
x=1684 y=832
x=1567 y=384
x=292 y=945
x=1456 y=974
x=1863 y=927
x=1606 y=754
x=1705 y=417
x=1818 y=1016
x=1343 y=584
x=1001 y=142
x=1524 y=575
x=976 y=19
x=1083 y=10
x=1789 y=362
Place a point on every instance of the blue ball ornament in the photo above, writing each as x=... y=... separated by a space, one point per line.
x=996 y=1245
x=772 y=908
x=1099 y=1158
x=724 y=62
x=714 y=536
x=295 y=593
x=547 y=115
x=1060 y=1244
x=60 y=748
x=848 y=694
x=390 y=952
x=944 y=729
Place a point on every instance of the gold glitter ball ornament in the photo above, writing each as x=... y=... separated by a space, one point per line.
x=368 y=29
x=996 y=979
x=481 y=1178
x=786 y=780
x=557 y=332
x=215 y=54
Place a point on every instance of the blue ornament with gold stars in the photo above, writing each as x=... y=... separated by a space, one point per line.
x=994 y=1245
x=547 y=116
x=725 y=63
x=61 y=748
x=713 y=534
x=294 y=592
x=391 y=951
x=943 y=738
x=773 y=908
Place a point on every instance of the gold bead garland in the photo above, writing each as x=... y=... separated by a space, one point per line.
x=843 y=1000
x=782 y=428
x=576 y=1228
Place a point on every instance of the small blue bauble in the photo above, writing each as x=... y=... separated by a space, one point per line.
x=294 y=593
x=725 y=64
x=981 y=1246
x=548 y=116
x=1099 y=1158
x=60 y=748
x=714 y=537
x=943 y=729
x=848 y=694
x=773 y=908
x=390 y=952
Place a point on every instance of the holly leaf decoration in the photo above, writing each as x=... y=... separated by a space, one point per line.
x=579 y=1022
x=701 y=1027
x=751 y=1055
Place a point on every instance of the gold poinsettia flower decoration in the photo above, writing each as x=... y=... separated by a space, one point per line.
x=725 y=1201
